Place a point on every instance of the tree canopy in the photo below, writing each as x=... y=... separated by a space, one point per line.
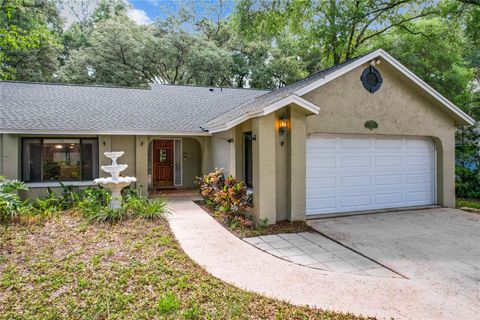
x=259 y=43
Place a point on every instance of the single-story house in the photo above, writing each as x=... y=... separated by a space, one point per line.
x=363 y=135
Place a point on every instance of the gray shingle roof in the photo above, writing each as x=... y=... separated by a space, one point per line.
x=33 y=106
x=274 y=96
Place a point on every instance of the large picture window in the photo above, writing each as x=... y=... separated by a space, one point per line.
x=59 y=159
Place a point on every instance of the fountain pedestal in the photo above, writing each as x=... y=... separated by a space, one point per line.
x=115 y=183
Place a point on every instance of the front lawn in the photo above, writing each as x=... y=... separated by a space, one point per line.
x=68 y=268
x=468 y=203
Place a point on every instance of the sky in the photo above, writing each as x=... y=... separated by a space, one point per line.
x=141 y=11
x=146 y=11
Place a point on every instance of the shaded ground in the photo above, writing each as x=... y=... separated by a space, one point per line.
x=437 y=248
x=69 y=269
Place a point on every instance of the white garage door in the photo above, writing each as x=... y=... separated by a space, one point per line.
x=355 y=173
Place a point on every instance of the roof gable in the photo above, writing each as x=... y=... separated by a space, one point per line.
x=461 y=118
x=261 y=104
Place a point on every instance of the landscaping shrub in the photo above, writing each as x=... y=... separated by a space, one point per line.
x=91 y=202
x=467 y=182
x=10 y=203
x=227 y=196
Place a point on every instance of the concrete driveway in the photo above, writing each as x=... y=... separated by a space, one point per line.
x=435 y=248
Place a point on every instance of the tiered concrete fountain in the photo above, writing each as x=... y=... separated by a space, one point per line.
x=115 y=183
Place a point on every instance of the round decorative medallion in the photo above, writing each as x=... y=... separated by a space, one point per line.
x=371 y=79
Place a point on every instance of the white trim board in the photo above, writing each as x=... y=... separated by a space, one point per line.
x=382 y=54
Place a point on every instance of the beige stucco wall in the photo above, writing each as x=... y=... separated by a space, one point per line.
x=191 y=161
x=223 y=152
x=399 y=107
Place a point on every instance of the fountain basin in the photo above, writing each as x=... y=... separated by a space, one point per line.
x=114 y=154
x=114 y=168
x=119 y=180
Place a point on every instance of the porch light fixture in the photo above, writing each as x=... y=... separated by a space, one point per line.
x=282 y=127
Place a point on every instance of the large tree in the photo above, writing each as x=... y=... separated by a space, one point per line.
x=29 y=40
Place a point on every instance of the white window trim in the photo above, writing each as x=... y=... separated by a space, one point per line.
x=56 y=184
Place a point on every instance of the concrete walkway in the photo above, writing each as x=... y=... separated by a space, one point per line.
x=235 y=261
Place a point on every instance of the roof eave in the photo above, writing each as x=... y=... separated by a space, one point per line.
x=309 y=107
x=97 y=132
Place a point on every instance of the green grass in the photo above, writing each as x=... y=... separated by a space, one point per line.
x=469 y=203
x=66 y=268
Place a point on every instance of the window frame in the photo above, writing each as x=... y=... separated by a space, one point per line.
x=22 y=158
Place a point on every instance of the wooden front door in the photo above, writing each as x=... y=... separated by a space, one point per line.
x=162 y=163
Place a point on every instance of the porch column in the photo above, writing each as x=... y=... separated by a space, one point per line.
x=10 y=160
x=104 y=145
x=206 y=155
x=264 y=196
x=298 y=180
x=141 y=163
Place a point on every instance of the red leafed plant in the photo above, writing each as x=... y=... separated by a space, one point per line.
x=226 y=195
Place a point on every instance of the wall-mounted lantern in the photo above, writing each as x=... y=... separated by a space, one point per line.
x=282 y=127
x=282 y=124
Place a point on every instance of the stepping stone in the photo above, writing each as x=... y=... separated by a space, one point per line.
x=300 y=242
x=270 y=238
x=290 y=236
x=341 y=266
x=303 y=259
x=363 y=263
x=280 y=244
x=312 y=249
x=289 y=252
x=326 y=257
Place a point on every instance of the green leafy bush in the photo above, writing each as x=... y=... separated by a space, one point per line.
x=226 y=195
x=10 y=203
x=142 y=207
x=467 y=182
x=93 y=203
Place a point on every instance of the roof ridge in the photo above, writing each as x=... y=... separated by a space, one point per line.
x=205 y=86
x=74 y=84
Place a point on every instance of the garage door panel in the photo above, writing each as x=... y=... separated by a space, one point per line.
x=355 y=200
x=384 y=173
x=419 y=144
x=355 y=143
x=391 y=144
x=356 y=161
x=388 y=161
x=388 y=198
x=389 y=179
x=355 y=181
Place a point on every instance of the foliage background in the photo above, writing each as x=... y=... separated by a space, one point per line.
x=260 y=44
